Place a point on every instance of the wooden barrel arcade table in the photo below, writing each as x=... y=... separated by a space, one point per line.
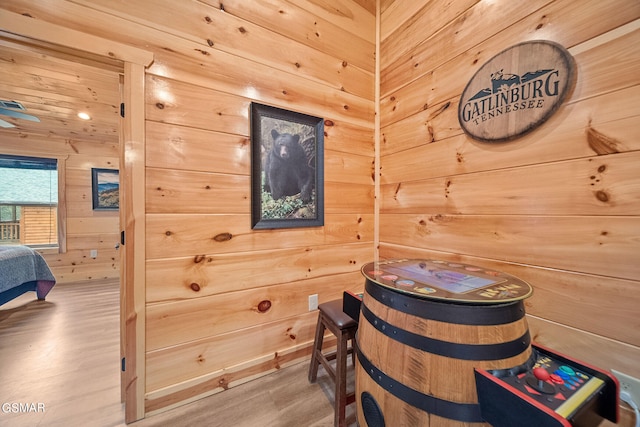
x=428 y=328
x=424 y=326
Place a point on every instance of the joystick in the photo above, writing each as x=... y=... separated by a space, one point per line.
x=541 y=375
x=539 y=381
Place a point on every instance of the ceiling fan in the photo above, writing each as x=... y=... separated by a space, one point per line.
x=8 y=108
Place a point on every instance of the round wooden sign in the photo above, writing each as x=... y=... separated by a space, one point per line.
x=516 y=91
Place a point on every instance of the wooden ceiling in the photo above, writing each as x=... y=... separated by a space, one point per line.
x=55 y=87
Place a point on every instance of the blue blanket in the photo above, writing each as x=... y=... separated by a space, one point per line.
x=20 y=265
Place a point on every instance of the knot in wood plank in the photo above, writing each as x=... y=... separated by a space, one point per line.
x=264 y=306
x=222 y=237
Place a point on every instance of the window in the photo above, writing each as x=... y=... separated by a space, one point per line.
x=28 y=201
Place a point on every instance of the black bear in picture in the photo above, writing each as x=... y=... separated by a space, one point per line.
x=287 y=171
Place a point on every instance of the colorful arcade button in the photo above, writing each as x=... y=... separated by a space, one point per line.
x=556 y=379
x=567 y=370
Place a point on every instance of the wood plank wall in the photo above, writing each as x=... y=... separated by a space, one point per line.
x=204 y=330
x=86 y=229
x=559 y=207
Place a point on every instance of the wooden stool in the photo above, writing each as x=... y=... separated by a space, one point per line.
x=344 y=328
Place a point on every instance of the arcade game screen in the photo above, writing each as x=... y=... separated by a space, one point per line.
x=447 y=280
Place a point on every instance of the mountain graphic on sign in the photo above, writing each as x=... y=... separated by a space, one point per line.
x=531 y=75
x=501 y=81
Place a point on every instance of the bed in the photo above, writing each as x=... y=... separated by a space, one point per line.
x=22 y=269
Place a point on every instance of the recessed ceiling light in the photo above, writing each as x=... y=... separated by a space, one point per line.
x=84 y=116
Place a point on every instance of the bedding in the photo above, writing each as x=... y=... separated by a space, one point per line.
x=22 y=269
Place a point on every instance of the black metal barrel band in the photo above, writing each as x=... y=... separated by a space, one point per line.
x=464 y=412
x=444 y=311
x=452 y=350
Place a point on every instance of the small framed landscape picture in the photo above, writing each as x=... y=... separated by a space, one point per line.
x=287 y=184
x=105 y=186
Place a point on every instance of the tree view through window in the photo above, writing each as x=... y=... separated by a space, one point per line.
x=28 y=201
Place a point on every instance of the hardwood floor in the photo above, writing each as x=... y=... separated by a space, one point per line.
x=62 y=353
x=282 y=399
x=61 y=357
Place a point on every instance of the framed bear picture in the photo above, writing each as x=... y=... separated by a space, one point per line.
x=287 y=167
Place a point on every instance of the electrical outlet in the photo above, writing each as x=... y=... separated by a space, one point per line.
x=313 y=302
x=629 y=384
x=93 y=253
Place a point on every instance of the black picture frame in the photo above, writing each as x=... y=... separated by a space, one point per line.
x=280 y=192
x=105 y=189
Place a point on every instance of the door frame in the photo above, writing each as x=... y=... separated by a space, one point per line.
x=133 y=62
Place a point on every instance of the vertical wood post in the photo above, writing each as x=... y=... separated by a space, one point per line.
x=132 y=168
